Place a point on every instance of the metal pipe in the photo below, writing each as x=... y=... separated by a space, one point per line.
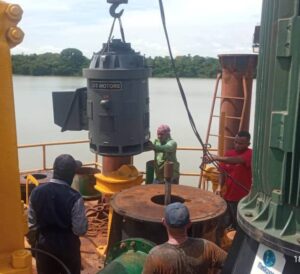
x=237 y=77
x=168 y=174
x=54 y=143
x=110 y=163
x=44 y=157
x=167 y=192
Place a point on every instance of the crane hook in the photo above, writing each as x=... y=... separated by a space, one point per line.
x=114 y=6
x=113 y=13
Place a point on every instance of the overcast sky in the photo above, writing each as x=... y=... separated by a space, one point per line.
x=196 y=27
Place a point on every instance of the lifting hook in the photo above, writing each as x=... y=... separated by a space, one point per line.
x=114 y=6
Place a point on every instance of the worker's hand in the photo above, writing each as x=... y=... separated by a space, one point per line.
x=219 y=191
x=207 y=159
x=149 y=146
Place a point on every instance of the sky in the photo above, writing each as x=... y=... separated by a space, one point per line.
x=197 y=27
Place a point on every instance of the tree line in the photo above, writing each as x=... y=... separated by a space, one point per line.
x=71 y=61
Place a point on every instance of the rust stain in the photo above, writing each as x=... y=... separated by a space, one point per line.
x=145 y=203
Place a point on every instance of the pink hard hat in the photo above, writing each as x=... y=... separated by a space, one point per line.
x=163 y=129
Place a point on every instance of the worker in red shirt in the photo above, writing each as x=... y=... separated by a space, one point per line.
x=235 y=173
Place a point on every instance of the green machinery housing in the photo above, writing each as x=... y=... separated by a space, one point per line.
x=269 y=216
x=271 y=213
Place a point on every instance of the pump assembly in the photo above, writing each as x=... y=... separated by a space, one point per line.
x=115 y=105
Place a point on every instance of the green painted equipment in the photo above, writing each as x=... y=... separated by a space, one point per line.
x=127 y=256
x=270 y=215
x=149 y=172
x=84 y=182
x=271 y=212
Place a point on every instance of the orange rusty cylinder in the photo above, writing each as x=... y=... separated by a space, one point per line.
x=238 y=71
x=138 y=212
x=110 y=163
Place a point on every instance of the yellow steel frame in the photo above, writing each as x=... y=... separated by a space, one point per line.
x=13 y=257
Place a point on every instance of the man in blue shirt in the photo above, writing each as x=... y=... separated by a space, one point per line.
x=57 y=214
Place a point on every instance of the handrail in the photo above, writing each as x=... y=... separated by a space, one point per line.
x=30 y=179
x=212 y=108
x=44 y=145
x=245 y=90
x=95 y=163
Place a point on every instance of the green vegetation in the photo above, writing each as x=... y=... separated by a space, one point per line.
x=70 y=62
x=187 y=66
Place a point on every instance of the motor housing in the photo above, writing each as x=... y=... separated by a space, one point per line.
x=118 y=100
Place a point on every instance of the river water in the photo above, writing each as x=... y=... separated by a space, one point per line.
x=34 y=119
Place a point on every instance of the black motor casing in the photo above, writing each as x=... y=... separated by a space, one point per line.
x=118 y=100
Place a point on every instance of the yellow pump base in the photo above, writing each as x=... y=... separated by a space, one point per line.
x=125 y=177
x=212 y=174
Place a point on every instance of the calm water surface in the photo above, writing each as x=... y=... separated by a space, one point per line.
x=34 y=118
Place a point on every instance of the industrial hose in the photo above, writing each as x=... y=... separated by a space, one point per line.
x=50 y=255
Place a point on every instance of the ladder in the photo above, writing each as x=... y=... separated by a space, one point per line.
x=222 y=117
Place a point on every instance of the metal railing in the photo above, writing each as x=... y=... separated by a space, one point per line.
x=96 y=163
x=43 y=147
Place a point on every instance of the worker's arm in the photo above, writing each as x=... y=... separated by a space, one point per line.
x=228 y=159
x=214 y=255
x=222 y=178
x=79 y=220
x=170 y=146
x=31 y=216
x=31 y=236
x=148 y=266
x=155 y=262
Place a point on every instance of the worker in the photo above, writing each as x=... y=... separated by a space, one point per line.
x=165 y=151
x=235 y=173
x=57 y=216
x=182 y=254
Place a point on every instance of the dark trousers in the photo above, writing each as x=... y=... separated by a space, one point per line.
x=227 y=221
x=232 y=214
x=47 y=265
x=68 y=254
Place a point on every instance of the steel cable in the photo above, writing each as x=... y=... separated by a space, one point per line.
x=206 y=152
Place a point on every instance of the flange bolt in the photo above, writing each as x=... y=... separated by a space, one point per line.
x=14 y=12
x=15 y=35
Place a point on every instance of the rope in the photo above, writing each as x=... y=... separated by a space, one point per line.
x=97 y=216
x=107 y=48
x=121 y=30
x=206 y=152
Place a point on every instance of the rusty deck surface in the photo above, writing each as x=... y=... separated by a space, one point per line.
x=141 y=203
x=97 y=214
x=91 y=262
x=146 y=202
